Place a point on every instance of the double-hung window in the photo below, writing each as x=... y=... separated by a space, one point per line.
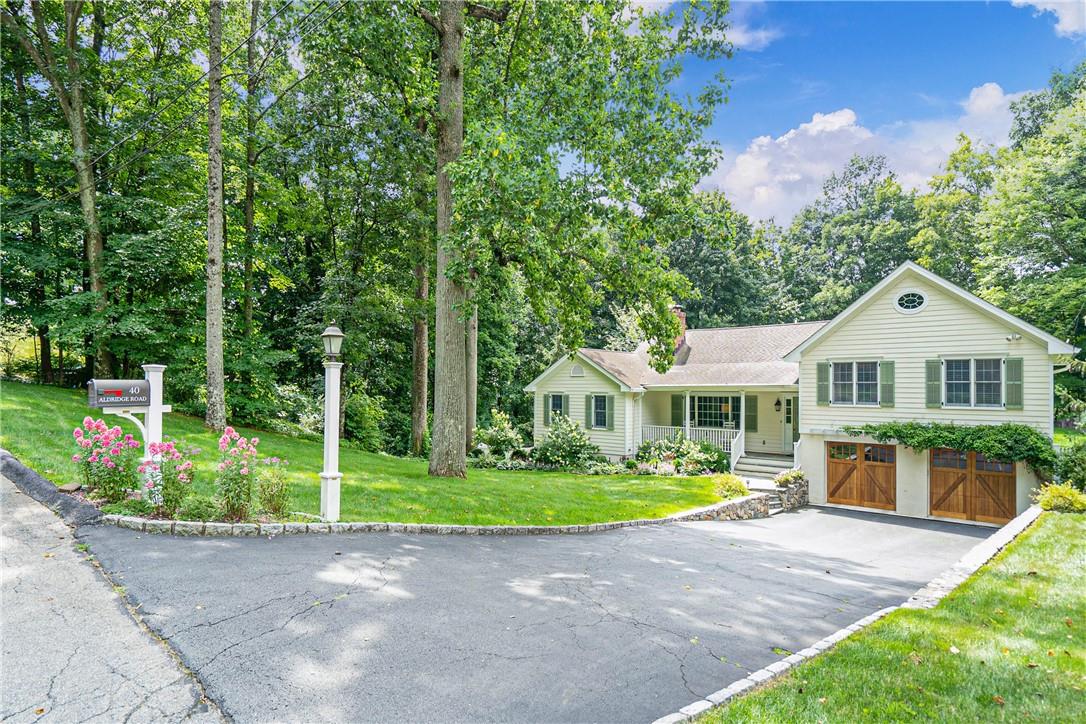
x=599 y=411
x=855 y=383
x=843 y=380
x=973 y=382
x=556 y=405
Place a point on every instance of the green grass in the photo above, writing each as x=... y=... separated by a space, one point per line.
x=1065 y=436
x=36 y=423
x=1019 y=630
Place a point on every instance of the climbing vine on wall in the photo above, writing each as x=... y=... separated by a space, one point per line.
x=1009 y=441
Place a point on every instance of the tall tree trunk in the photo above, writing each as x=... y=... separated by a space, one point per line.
x=251 y=111
x=216 y=394
x=68 y=86
x=420 y=357
x=447 y=457
x=471 y=367
x=30 y=175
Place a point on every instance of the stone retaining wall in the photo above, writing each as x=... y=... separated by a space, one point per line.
x=795 y=495
x=749 y=506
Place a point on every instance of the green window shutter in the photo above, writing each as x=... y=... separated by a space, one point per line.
x=751 y=413
x=1013 y=373
x=676 y=410
x=565 y=405
x=822 y=379
x=588 y=412
x=933 y=382
x=886 y=386
x=610 y=412
x=546 y=410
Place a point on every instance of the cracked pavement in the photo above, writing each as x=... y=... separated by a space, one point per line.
x=71 y=651
x=623 y=626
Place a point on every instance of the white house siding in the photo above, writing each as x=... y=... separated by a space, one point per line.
x=946 y=327
x=612 y=443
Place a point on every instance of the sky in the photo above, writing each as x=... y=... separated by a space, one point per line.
x=813 y=83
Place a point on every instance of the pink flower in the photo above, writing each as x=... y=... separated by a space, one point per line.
x=85 y=443
x=182 y=477
x=93 y=458
x=255 y=441
x=77 y=433
x=76 y=459
x=115 y=451
x=149 y=485
x=110 y=464
x=87 y=421
x=245 y=471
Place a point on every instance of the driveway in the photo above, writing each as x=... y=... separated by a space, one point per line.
x=70 y=651
x=623 y=626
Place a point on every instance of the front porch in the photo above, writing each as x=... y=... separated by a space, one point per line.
x=740 y=421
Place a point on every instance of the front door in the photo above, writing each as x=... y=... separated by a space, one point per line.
x=790 y=434
x=861 y=474
x=969 y=486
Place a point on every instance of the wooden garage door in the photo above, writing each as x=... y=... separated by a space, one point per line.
x=969 y=486
x=861 y=474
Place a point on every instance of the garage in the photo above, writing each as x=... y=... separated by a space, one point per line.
x=969 y=486
x=862 y=474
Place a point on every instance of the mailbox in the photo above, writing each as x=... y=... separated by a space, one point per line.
x=119 y=393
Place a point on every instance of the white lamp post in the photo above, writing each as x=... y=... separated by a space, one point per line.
x=330 y=477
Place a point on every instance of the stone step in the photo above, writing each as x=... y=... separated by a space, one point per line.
x=766 y=470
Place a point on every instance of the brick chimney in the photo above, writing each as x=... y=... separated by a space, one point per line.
x=680 y=314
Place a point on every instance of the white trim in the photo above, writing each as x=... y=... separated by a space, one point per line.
x=973 y=383
x=856 y=383
x=531 y=386
x=1055 y=346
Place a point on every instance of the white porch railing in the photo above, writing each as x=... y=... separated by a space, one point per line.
x=719 y=436
x=738 y=449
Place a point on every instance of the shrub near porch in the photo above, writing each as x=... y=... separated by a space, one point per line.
x=37 y=424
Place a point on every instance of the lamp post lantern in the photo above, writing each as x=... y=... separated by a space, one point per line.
x=331 y=477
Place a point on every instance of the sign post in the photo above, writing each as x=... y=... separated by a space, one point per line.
x=128 y=398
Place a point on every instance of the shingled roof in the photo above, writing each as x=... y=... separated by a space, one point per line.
x=725 y=356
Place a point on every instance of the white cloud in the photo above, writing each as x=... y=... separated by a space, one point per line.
x=1070 y=14
x=745 y=37
x=775 y=177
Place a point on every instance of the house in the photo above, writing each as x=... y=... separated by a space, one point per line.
x=913 y=348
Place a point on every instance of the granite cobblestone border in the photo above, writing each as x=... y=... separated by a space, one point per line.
x=755 y=505
x=926 y=597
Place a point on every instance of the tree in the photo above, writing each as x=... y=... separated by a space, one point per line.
x=1033 y=111
x=947 y=241
x=215 y=417
x=67 y=81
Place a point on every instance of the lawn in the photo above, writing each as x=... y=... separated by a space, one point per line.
x=1065 y=436
x=1009 y=644
x=36 y=424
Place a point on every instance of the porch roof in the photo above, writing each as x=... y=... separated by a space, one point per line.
x=728 y=356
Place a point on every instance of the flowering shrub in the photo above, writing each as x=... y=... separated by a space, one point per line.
x=272 y=486
x=109 y=459
x=567 y=445
x=167 y=477
x=790 y=477
x=501 y=438
x=682 y=455
x=237 y=468
x=1065 y=498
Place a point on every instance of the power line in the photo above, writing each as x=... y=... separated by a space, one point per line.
x=43 y=202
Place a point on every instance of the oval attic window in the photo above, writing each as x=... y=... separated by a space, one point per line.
x=576 y=371
x=911 y=302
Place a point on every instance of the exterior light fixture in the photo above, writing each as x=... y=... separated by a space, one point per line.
x=333 y=341
x=777 y=405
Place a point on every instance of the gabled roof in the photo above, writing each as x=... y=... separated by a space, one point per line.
x=1055 y=346
x=721 y=357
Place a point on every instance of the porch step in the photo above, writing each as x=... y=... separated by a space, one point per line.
x=758 y=469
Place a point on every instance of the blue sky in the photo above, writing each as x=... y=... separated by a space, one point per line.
x=815 y=82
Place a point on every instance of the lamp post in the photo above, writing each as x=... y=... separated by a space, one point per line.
x=330 y=477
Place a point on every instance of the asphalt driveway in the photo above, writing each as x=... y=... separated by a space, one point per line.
x=620 y=626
